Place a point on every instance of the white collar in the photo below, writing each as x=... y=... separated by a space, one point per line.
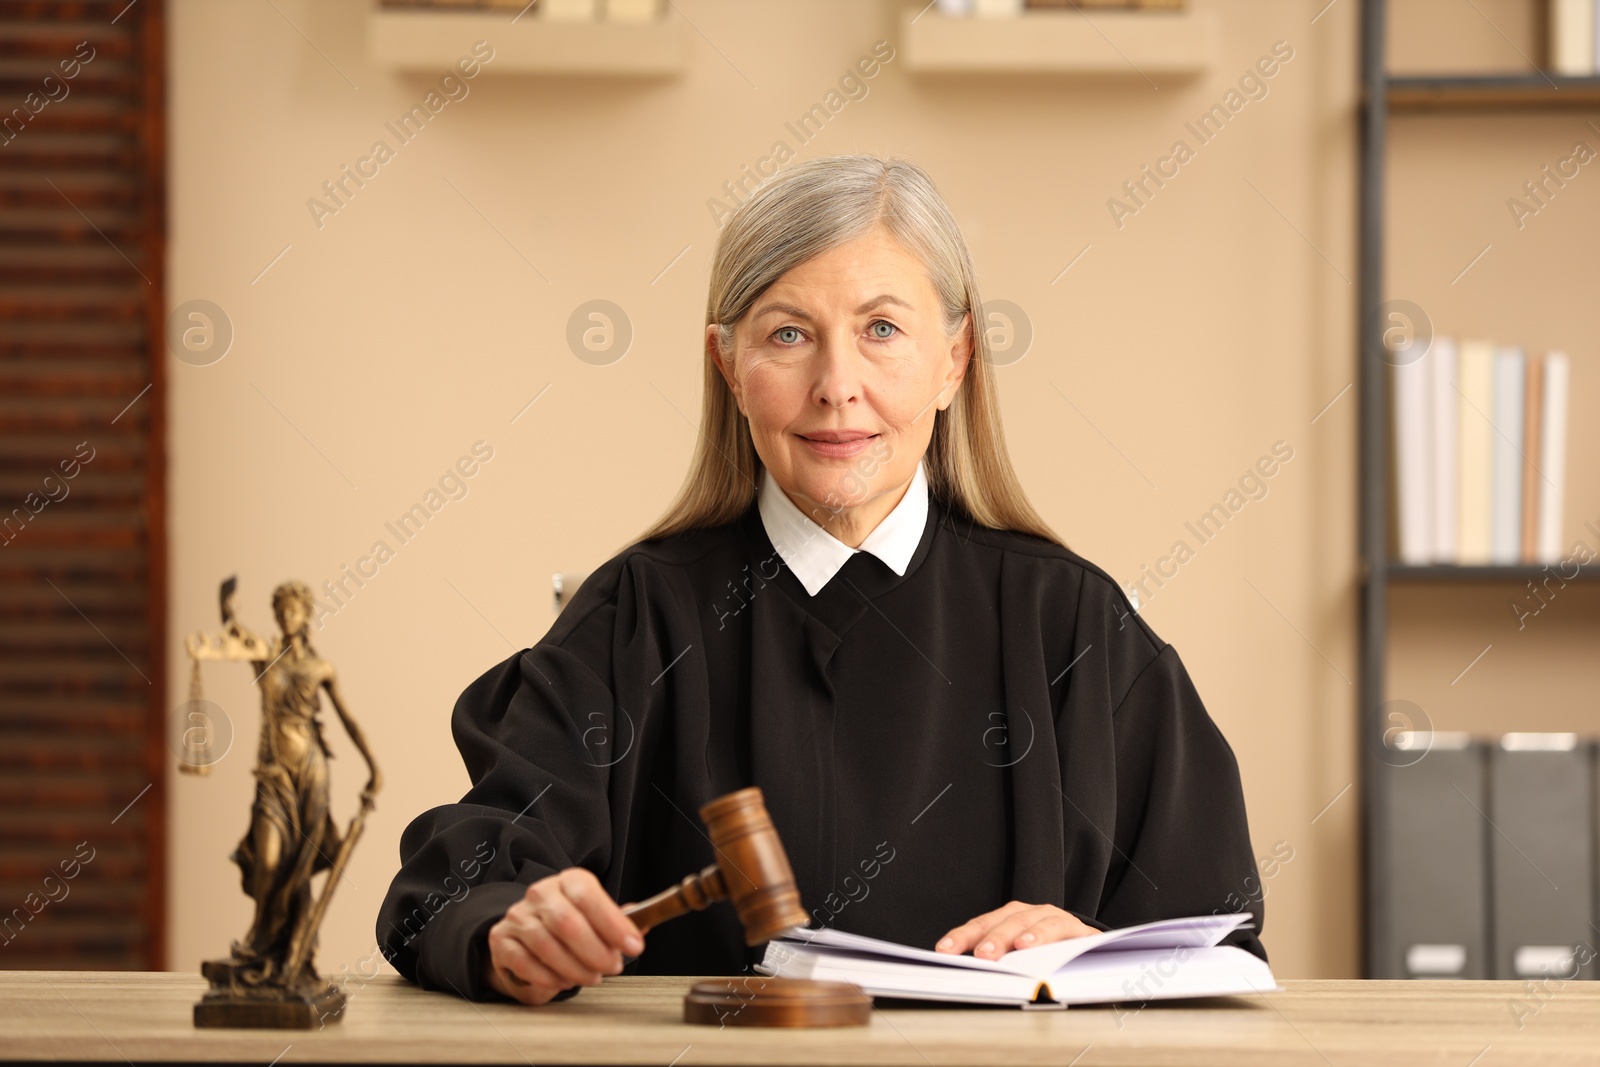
x=815 y=555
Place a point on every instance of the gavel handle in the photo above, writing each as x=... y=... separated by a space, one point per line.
x=692 y=894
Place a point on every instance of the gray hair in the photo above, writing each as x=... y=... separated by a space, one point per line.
x=823 y=203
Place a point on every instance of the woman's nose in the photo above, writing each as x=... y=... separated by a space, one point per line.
x=838 y=377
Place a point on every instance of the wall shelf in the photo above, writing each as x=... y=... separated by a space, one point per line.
x=431 y=42
x=1510 y=92
x=1065 y=42
x=1440 y=573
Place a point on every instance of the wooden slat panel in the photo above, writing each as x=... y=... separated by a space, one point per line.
x=65 y=118
x=67 y=196
x=109 y=866
x=64 y=154
x=67 y=375
x=92 y=12
x=100 y=486
x=96 y=793
x=82 y=576
x=39 y=600
x=33 y=415
x=71 y=305
x=52 y=233
x=66 y=275
x=94 y=82
x=54 y=47
x=66 y=828
x=61 y=635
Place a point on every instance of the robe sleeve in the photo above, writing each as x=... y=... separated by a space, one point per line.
x=1182 y=840
x=538 y=801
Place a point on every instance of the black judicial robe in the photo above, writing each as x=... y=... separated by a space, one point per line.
x=994 y=725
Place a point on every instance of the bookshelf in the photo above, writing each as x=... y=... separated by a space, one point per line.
x=1383 y=96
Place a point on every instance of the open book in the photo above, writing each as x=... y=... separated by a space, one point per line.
x=1153 y=961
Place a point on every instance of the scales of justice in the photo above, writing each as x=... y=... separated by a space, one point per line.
x=270 y=980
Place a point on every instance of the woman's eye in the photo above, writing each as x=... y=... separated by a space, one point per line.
x=788 y=335
x=888 y=330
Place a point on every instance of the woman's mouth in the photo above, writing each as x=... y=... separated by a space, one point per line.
x=838 y=443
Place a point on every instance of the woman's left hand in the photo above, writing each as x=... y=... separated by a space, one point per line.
x=1013 y=925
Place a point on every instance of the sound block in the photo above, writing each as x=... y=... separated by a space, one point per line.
x=229 y=1005
x=761 y=1001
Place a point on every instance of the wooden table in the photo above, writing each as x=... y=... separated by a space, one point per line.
x=141 y=1018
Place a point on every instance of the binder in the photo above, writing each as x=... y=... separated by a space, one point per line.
x=1541 y=856
x=1433 y=918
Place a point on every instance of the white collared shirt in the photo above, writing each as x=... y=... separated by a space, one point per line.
x=815 y=555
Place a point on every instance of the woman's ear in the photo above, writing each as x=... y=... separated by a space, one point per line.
x=961 y=351
x=724 y=364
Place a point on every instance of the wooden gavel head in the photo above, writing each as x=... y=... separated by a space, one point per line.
x=751 y=869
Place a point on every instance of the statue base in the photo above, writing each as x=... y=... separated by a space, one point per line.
x=232 y=1004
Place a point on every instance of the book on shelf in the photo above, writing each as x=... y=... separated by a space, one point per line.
x=1505 y=523
x=1553 y=455
x=1445 y=432
x=1480 y=439
x=1415 y=460
x=1162 y=960
x=1532 y=413
x=1476 y=388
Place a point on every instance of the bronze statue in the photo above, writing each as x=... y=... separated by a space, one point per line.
x=270 y=980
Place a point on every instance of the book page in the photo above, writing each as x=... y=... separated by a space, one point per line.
x=1040 y=961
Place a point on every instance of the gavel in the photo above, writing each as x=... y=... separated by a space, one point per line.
x=751 y=869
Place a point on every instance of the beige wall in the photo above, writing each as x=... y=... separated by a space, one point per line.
x=380 y=347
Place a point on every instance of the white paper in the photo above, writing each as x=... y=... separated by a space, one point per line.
x=1041 y=961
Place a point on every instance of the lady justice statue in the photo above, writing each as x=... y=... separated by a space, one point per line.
x=270 y=980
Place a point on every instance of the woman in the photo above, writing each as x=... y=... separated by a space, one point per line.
x=966 y=738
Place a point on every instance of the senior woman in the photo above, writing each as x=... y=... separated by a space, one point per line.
x=966 y=737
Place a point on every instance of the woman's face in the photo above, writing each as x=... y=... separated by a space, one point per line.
x=841 y=366
x=291 y=616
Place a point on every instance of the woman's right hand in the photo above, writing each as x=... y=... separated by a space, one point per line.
x=565 y=931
